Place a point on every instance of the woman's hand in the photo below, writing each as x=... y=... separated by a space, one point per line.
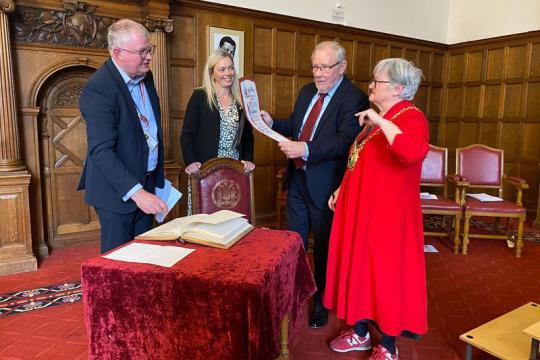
x=248 y=165
x=369 y=118
x=192 y=168
x=333 y=200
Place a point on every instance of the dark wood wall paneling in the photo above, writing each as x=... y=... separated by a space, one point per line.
x=277 y=51
x=493 y=98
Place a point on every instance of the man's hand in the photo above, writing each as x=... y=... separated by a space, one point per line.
x=293 y=149
x=149 y=203
x=194 y=167
x=267 y=118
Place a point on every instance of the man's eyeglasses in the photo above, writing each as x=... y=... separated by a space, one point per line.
x=373 y=81
x=324 y=68
x=143 y=53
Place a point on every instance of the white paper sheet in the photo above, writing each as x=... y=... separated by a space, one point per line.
x=427 y=196
x=170 y=196
x=430 y=249
x=485 y=197
x=159 y=255
x=253 y=111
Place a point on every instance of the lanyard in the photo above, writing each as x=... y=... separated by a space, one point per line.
x=143 y=117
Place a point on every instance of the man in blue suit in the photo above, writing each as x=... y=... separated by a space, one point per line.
x=323 y=127
x=124 y=162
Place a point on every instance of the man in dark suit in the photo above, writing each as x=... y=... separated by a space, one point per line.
x=124 y=162
x=322 y=127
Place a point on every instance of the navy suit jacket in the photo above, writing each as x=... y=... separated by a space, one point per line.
x=201 y=130
x=333 y=136
x=117 y=156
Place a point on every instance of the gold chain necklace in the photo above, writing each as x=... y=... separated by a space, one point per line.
x=358 y=145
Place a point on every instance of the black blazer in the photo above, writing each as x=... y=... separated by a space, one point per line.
x=334 y=135
x=117 y=155
x=200 y=133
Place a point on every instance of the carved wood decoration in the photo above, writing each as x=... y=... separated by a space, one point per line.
x=76 y=25
x=7 y=6
x=63 y=150
x=153 y=24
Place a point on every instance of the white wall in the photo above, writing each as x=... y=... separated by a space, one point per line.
x=480 y=19
x=443 y=21
x=419 y=19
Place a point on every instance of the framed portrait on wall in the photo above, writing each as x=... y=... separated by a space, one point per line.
x=231 y=41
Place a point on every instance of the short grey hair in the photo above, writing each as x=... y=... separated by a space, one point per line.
x=339 y=51
x=121 y=30
x=401 y=72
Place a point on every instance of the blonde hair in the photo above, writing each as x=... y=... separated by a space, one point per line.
x=208 y=83
x=122 y=30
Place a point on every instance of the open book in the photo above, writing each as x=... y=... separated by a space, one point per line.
x=221 y=229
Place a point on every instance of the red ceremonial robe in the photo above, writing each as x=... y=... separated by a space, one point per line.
x=376 y=265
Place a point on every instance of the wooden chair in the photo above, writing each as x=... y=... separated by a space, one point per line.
x=434 y=174
x=281 y=201
x=222 y=184
x=481 y=167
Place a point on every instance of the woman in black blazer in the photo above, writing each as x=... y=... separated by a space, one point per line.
x=215 y=124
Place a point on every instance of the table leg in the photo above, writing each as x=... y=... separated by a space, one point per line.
x=284 y=338
x=468 y=352
x=534 y=349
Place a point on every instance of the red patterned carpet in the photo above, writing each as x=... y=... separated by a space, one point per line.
x=463 y=291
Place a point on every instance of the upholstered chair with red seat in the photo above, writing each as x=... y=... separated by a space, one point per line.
x=434 y=175
x=222 y=184
x=482 y=167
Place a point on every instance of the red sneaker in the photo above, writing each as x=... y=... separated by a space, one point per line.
x=381 y=353
x=350 y=341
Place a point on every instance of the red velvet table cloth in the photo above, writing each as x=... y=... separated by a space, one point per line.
x=213 y=304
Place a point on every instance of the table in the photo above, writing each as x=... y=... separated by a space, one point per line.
x=214 y=304
x=503 y=337
x=534 y=332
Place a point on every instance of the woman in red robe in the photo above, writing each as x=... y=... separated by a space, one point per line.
x=376 y=265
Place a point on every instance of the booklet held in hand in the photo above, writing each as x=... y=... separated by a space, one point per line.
x=221 y=229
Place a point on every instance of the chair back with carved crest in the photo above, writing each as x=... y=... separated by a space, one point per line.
x=222 y=184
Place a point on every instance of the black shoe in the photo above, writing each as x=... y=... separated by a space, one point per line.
x=319 y=317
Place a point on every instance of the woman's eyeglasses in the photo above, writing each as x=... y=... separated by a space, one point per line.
x=373 y=81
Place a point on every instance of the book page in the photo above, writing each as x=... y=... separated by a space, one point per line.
x=171 y=230
x=175 y=228
x=219 y=217
x=250 y=98
x=214 y=232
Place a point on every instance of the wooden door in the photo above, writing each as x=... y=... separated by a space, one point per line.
x=63 y=149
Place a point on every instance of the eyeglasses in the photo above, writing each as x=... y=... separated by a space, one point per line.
x=324 y=68
x=373 y=81
x=143 y=53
